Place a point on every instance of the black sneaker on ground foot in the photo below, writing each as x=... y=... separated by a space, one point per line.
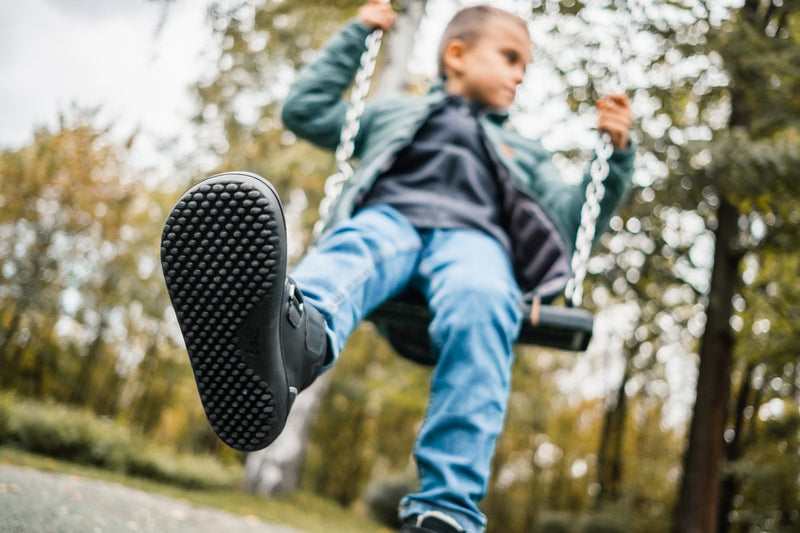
x=223 y=254
x=431 y=522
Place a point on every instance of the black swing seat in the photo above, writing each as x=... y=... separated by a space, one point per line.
x=562 y=328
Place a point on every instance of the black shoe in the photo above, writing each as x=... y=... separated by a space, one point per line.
x=430 y=522
x=252 y=343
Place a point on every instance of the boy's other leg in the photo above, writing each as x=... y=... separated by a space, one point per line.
x=363 y=262
x=474 y=297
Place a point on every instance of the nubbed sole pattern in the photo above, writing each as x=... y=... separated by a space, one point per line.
x=218 y=251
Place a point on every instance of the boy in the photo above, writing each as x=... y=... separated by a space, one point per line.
x=446 y=201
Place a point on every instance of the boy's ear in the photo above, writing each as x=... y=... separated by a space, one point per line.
x=453 y=56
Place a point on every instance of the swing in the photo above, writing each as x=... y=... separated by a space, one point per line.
x=406 y=317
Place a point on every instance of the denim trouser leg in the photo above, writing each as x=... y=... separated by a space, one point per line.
x=365 y=261
x=474 y=297
x=468 y=281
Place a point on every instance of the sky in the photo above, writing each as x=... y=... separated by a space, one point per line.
x=130 y=58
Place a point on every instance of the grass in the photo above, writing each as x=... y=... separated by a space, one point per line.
x=302 y=511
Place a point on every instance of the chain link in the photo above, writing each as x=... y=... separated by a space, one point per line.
x=352 y=123
x=595 y=191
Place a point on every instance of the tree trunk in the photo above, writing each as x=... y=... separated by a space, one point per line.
x=609 y=454
x=8 y=336
x=399 y=46
x=8 y=376
x=277 y=469
x=16 y=359
x=697 y=506
x=733 y=451
x=83 y=383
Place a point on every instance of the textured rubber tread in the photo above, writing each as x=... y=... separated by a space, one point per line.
x=223 y=256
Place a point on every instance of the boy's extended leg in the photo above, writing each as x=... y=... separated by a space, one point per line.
x=363 y=262
x=254 y=338
x=252 y=343
x=473 y=295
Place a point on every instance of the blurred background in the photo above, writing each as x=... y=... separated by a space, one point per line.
x=682 y=415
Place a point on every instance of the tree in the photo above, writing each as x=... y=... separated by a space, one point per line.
x=69 y=211
x=83 y=303
x=753 y=161
x=718 y=148
x=721 y=150
x=640 y=270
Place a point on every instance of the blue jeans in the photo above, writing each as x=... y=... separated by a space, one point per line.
x=467 y=279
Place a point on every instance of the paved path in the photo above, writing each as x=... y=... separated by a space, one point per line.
x=34 y=501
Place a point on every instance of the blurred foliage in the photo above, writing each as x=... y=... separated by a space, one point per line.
x=80 y=436
x=84 y=317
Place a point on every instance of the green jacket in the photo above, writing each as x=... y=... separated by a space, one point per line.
x=541 y=211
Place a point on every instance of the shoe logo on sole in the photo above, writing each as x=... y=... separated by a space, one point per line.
x=248 y=347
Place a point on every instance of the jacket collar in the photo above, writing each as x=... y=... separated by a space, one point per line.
x=496 y=115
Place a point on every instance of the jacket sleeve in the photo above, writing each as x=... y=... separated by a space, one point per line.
x=617 y=184
x=314 y=109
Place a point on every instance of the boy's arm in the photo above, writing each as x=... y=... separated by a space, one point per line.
x=615 y=119
x=314 y=108
x=617 y=185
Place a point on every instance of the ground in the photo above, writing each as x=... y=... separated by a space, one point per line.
x=31 y=500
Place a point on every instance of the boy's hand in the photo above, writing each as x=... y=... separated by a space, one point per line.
x=615 y=118
x=376 y=14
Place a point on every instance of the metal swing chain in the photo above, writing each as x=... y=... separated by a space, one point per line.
x=595 y=190
x=590 y=212
x=352 y=123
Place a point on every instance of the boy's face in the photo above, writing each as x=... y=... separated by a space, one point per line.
x=490 y=70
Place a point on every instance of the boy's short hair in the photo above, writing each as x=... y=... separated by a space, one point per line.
x=469 y=24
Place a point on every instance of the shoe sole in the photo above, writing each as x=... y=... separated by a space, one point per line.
x=223 y=255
